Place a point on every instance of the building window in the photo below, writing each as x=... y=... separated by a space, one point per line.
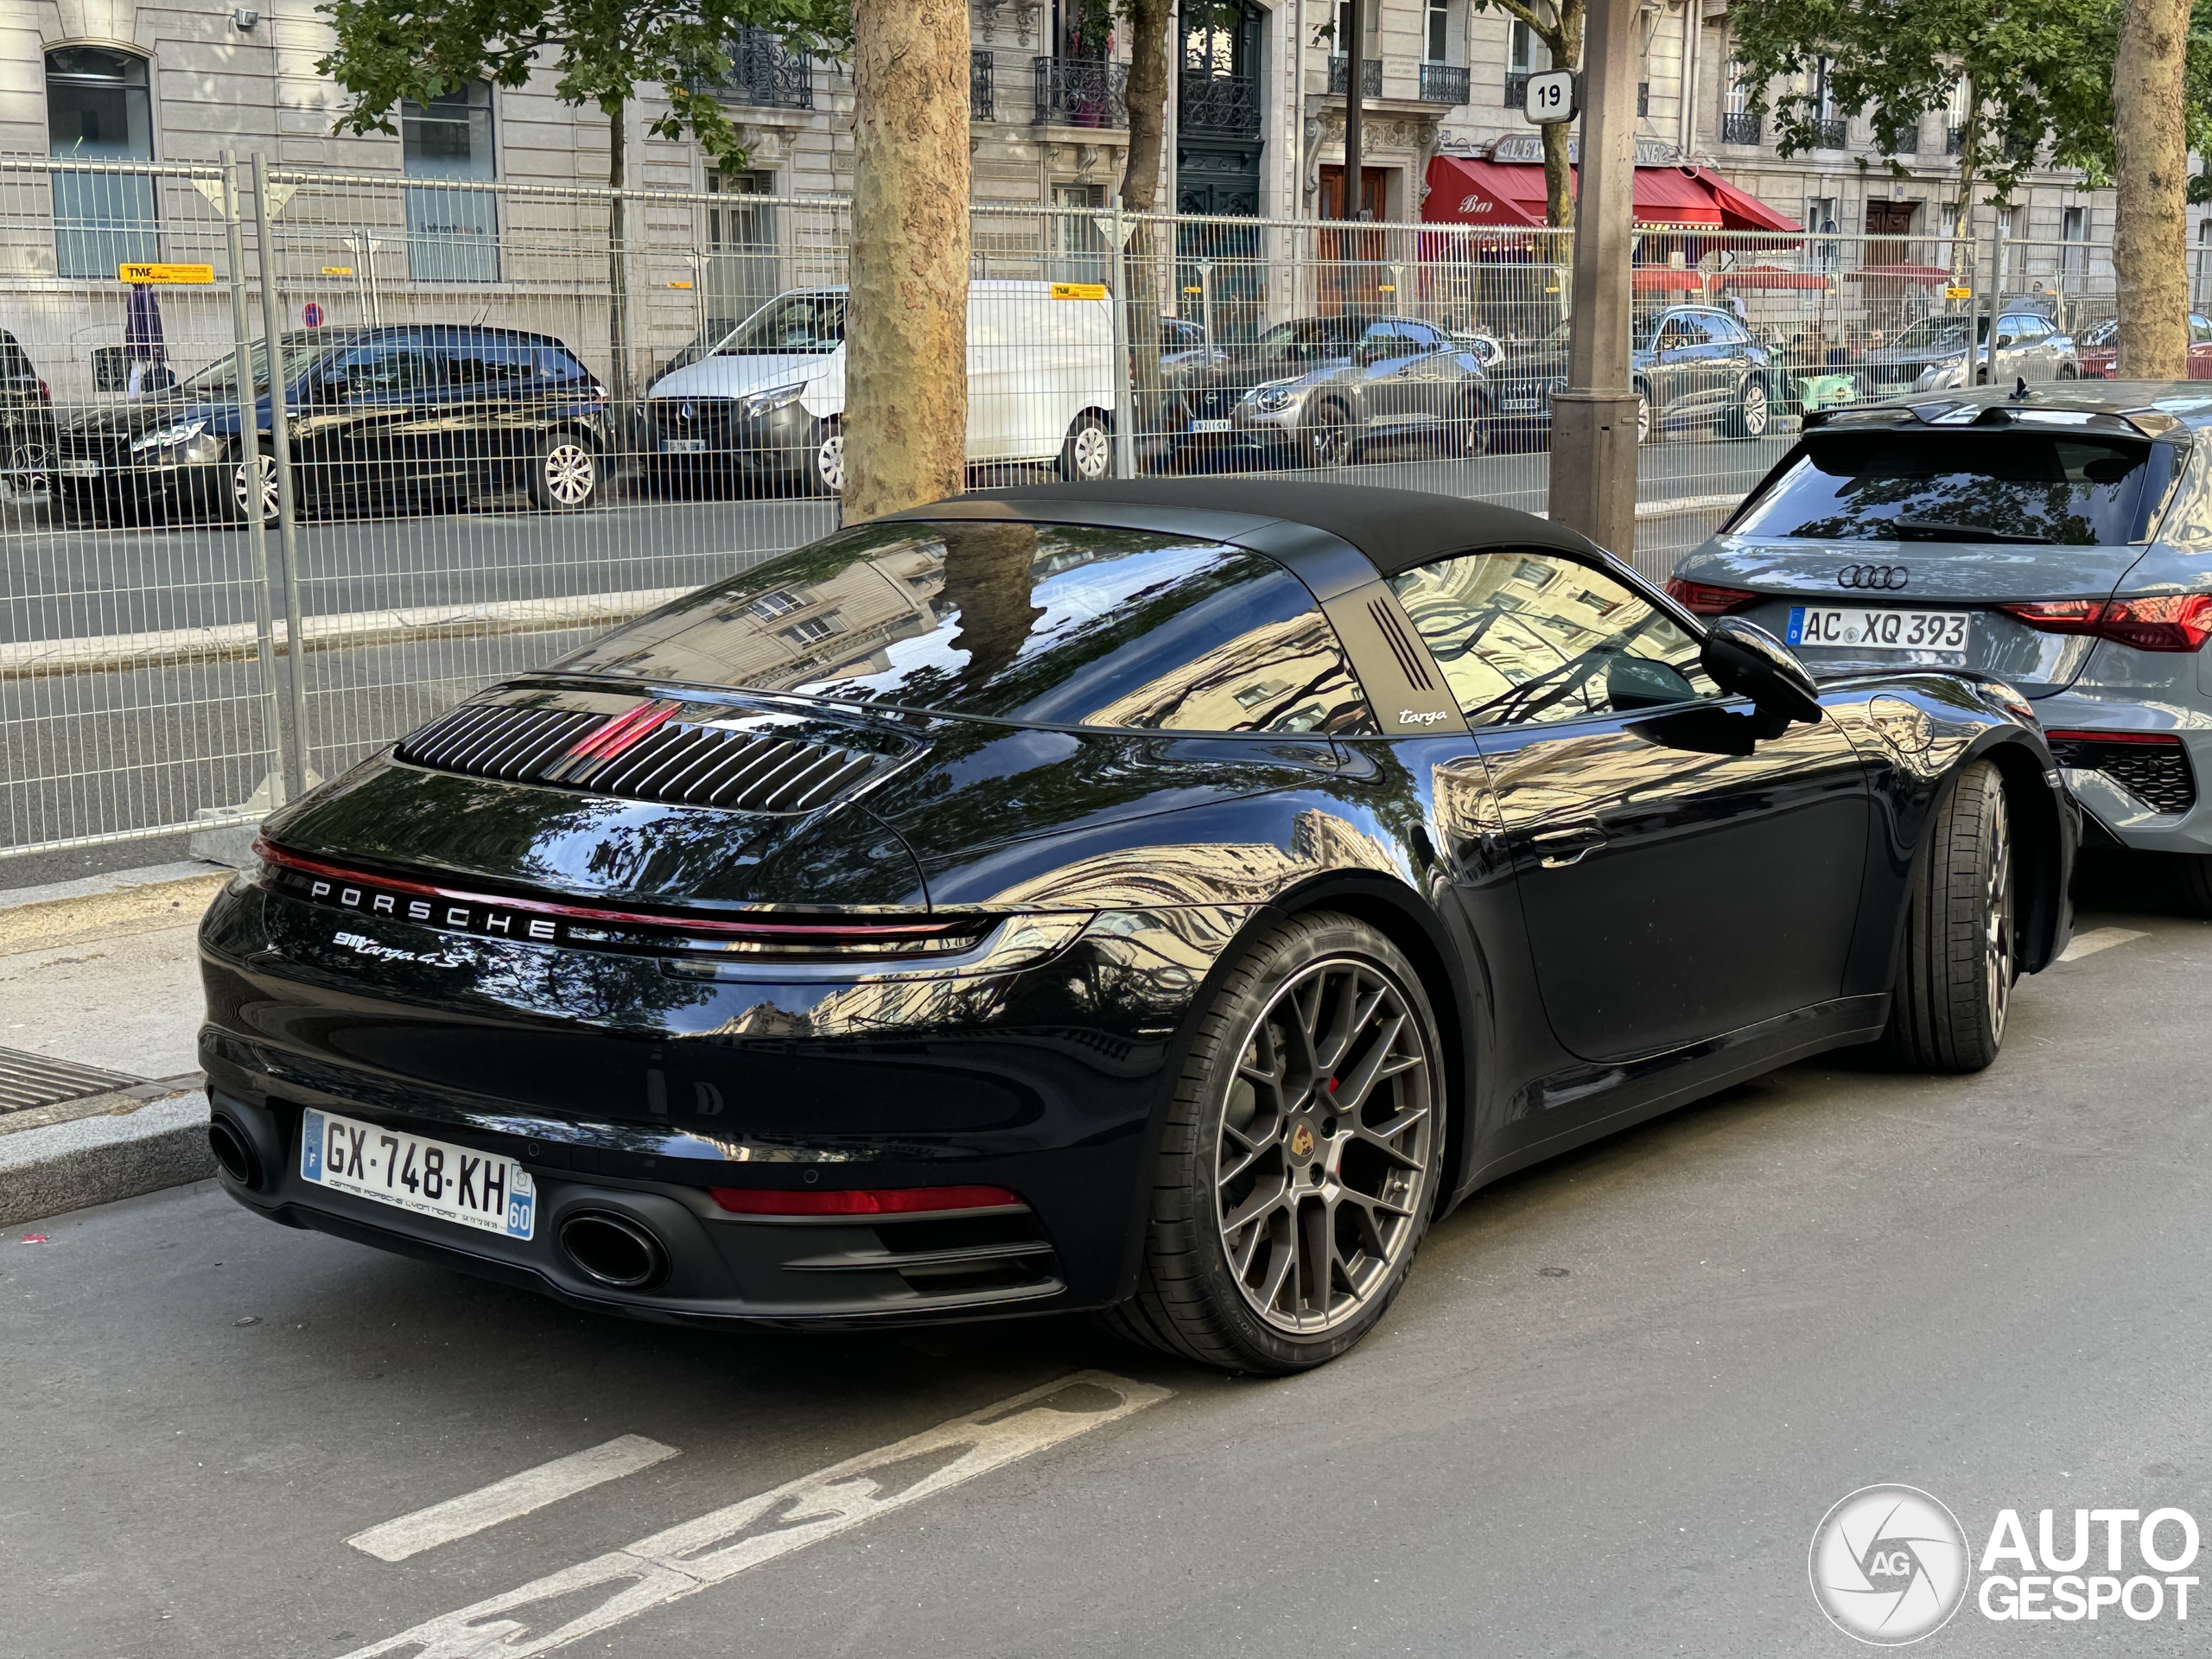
x=809 y=630
x=782 y=602
x=452 y=232
x=1528 y=55
x=2074 y=239
x=1439 y=31
x=744 y=270
x=98 y=110
x=1078 y=249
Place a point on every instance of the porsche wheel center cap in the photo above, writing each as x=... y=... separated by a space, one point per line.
x=1301 y=1140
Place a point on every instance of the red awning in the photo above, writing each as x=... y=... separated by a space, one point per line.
x=1665 y=279
x=1771 y=277
x=1469 y=190
x=1739 y=209
x=1474 y=190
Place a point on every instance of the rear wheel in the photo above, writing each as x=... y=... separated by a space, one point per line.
x=1754 y=411
x=1087 y=452
x=827 y=466
x=1960 y=956
x=1296 y=1173
x=1647 y=426
x=1469 y=434
x=564 y=473
x=251 y=479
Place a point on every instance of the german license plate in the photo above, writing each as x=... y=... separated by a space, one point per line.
x=80 y=469
x=428 y=1178
x=1212 y=423
x=1942 y=631
x=686 y=446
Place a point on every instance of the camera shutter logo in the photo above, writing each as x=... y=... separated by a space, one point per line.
x=1888 y=1564
x=1884 y=578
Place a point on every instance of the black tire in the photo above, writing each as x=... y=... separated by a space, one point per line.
x=565 y=472
x=1959 y=956
x=2195 y=883
x=1469 y=432
x=1327 y=439
x=1306 y=1173
x=1087 y=452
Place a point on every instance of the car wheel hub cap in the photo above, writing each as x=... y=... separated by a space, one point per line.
x=569 y=473
x=242 y=484
x=829 y=461
x=1090 y=452
x=1322 y=1164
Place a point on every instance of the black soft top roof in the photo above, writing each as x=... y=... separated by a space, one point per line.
x=1395 y=530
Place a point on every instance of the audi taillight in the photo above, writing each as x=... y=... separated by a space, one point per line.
x=1707 y=598
x=2162 y=622
x=861 y=1201
x=2141 y=740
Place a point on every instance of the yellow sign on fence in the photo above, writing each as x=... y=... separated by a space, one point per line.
x=1079 y=290
x=168 y=274
x=338 y=271
x=1958 y=293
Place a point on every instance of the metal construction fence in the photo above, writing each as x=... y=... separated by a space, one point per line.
x=495 y=435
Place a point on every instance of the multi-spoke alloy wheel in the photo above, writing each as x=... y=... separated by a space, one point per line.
x=1299 y=1160
x=253 y=480
x=1960 y=950
x=1323 y=1159
x=567 y=475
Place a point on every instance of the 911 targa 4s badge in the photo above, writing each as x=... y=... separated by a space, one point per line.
x=1163 y=899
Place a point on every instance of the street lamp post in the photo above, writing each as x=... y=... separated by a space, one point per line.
x=1593 y=420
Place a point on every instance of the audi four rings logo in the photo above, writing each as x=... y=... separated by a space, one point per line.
x=1888 y=577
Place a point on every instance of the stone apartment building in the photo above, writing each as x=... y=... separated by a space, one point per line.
x=1256 y=114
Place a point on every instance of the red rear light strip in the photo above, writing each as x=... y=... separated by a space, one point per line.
x=2159 y=622
x=1705 y=599
x=865 y=1201
x=828 y=928
x=2164 y=740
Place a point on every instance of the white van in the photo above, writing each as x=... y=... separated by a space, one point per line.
x=769 y=402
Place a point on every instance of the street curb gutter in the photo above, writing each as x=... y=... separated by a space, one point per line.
x=97 y=1159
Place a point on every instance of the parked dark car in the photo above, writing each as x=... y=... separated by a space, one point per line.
x=2097 y=348
x=392 y=418
x=1159 y=897
x=1692 y=366
x=26 y=420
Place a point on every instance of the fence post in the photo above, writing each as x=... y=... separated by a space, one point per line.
x=1124 y=414
x=264 y=627
x=280 y=448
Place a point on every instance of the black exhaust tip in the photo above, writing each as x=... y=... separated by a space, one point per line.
x=234 y=1152
x=613 y=1249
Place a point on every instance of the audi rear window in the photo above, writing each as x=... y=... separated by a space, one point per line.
x=2007 y=485
x=1065 y=625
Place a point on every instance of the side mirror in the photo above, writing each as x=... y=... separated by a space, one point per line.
x=1747 y=661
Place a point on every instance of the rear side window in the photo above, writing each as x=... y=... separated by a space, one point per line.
x=1530 y=638
x=1044 y=624
x=2006 y=485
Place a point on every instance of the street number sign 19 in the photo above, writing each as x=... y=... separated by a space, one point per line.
x=1550 y=97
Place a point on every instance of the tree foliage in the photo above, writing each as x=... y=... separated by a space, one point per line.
x=601 y=52
x=1559 y=25
x=2037 y=75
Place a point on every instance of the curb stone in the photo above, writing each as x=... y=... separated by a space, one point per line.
x=100 y=1159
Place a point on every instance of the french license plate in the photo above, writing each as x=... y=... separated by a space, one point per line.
x=1214 y=423
x=1942 y=631
x=1520 y=403
x=80 y=469
x=429 y=1178
x=686 y=446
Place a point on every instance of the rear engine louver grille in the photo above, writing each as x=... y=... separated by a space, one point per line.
x=655 y=758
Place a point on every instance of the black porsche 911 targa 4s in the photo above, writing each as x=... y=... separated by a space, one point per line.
x=1163 y=899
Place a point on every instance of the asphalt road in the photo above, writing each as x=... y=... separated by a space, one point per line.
x=59 y=580
x=1605 y=1418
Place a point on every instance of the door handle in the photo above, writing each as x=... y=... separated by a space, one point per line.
x=1557 y=848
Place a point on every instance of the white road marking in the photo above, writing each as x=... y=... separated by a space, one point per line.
x=503 y=1500
x=2096 y=939
x=698 y=1555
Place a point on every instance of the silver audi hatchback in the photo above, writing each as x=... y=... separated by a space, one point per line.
x=2057 y=538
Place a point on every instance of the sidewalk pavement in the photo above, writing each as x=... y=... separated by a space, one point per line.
x=100 y=1098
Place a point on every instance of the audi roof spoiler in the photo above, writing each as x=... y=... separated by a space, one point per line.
x=2134 y=422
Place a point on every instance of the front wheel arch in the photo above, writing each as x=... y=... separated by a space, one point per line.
x=2036 y=836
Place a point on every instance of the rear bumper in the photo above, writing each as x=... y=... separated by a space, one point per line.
x=2131 y=819
x=638 y=1108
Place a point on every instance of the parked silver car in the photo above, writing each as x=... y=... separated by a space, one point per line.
x=1932 y=354
x=2058 y=539
x=1343 y=382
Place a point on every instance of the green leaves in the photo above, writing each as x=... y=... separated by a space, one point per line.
x=601 y=52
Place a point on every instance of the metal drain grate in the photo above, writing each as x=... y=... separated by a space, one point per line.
x=29 y=1080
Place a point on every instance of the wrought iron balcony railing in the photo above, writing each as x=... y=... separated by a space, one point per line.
x=1082 y=92
x=1370 y=76
x=767 y=74
x=1955 y=141
x=983 y=87
x=1742 y=127
x=1830 y=135
x=1443 y=83
x=1224 y=103
x=1516 y=88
